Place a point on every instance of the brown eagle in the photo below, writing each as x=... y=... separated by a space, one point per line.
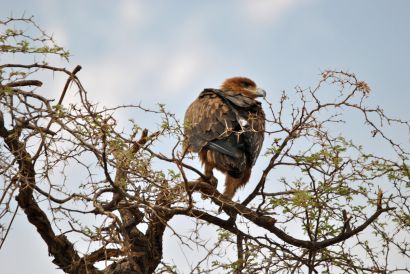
x=226 y=128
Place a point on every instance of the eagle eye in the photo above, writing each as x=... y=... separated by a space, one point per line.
x=245 y=84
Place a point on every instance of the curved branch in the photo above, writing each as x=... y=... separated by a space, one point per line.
x=269 y=223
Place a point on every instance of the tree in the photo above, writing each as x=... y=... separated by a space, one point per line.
x=332 y=214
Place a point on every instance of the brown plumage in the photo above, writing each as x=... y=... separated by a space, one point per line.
x=226 y=128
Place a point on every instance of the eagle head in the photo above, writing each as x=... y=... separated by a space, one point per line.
x=244 y=86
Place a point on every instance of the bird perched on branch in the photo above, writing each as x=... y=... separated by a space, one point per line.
x=226 y=128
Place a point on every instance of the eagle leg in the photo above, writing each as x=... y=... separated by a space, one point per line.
x=208 y=160
x=209 y=173
x=232 y=183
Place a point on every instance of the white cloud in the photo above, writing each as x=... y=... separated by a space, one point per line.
x=150 y=73
x=181 y=71
x=153 y=71
x=59 y=35
x=265 y=11
x=131 y=13
x=108 y=81
x=138 y=70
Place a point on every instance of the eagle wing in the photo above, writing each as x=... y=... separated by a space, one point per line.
x=254 y=137
x=208 y=118
x=210 y=121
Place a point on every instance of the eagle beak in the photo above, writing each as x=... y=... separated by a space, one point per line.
x=260 y=92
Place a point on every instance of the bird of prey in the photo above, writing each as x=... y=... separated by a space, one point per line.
x=226 y=128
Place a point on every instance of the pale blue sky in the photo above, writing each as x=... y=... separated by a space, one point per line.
x=168 y=51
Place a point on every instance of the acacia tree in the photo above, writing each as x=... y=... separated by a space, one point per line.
x=341 y=207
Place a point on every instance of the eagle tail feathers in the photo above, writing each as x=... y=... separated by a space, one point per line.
x=224 y=147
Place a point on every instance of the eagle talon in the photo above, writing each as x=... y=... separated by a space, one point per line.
x=213 y=181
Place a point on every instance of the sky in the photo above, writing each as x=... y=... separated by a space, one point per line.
x=167 y=51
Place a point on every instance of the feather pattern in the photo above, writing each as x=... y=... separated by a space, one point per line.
x=227 y=128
